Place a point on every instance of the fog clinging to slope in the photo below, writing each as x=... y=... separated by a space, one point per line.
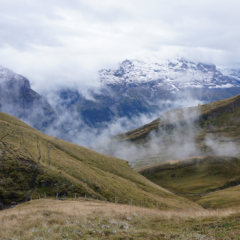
x=178 y=137
x=100 y=139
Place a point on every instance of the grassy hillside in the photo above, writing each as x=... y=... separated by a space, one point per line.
x=192 y=151
x=209 y=181
x=229 y=197
x=32 y=163
x=194 y=177
x=51 y=219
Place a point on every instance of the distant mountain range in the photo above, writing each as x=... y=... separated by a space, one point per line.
x=172 y=80
x=134 y=88
x=169 y=75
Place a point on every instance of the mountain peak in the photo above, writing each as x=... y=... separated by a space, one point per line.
x=170 y=74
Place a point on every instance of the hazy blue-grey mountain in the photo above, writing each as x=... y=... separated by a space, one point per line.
x=106 y=105
x=18 y=99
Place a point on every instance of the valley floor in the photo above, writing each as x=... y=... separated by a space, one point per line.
x=79 y=219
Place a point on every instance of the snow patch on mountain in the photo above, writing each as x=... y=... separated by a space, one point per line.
x=233 y=73
x=168 y=74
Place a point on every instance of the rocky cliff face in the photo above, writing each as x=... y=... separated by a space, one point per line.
x=18 y=99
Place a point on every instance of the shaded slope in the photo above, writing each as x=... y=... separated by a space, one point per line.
x=211 y=181
x=34 y=163
x=229 y=197
x=197 y=175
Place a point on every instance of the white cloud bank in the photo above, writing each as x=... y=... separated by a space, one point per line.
x=60 y=42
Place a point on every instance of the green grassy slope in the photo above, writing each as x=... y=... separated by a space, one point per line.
x=209 y=181
x=198 y=175
x=32 y=163
x=229 y=197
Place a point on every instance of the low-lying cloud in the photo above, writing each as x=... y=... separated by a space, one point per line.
x=179 y=144
x=178 y=137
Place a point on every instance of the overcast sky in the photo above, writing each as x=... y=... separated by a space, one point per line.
x=64 y=41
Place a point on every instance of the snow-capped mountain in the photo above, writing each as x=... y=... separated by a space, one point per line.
x=233 y=73
x=171 y=75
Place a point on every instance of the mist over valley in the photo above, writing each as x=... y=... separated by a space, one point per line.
x=129 y=96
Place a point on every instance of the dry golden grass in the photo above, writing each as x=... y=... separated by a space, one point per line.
x=51 y=219
x=60 y=166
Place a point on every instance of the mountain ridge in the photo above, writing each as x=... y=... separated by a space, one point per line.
x=170 y=74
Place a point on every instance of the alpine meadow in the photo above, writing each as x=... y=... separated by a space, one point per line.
x=119 y=120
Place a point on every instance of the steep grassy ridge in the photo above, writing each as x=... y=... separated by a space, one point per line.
x=32 y=163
